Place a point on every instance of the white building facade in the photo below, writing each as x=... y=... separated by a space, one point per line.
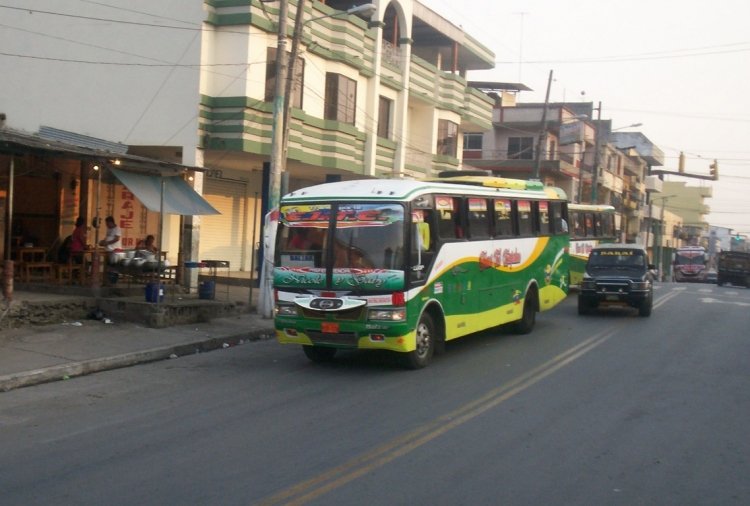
x=188 y=82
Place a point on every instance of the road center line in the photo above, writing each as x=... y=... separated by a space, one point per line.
x=383 y=454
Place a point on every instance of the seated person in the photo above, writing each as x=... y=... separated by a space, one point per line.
x=148 y=244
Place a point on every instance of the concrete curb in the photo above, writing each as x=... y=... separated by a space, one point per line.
x=82 y=368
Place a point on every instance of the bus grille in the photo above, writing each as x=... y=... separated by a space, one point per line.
x=340 y=339
x=349 y=315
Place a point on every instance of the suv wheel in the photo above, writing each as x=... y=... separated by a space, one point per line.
x=584 y=307
x=645 y=308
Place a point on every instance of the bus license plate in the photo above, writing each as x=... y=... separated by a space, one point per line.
x=329 y=327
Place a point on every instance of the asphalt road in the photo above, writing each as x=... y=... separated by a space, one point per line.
x=606 y=409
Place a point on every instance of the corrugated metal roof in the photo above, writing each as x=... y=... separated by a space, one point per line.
x=15 y=142
x=85 y=141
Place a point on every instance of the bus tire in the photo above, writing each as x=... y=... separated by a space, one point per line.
x=526 y=324
x=425 y=338
x=319 y=354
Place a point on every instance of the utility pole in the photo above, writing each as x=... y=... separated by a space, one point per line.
x=277 y=162
x=597 y=155
x=291 y=79
x=278 y=127
x=542 y=133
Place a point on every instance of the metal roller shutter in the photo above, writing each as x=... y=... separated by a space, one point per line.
x=223 y=236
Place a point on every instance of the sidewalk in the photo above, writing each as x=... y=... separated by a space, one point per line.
x=34 y=355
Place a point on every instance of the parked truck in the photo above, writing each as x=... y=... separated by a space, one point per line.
x=734 y=268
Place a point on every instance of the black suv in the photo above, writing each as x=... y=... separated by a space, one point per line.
x=617 y=274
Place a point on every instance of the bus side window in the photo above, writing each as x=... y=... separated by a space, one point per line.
x=503 y=218
x=589 y=224
x=578 y=230
x=559 y=225
x=478 y=221
x=543 y=215
x=608 y=229
x=422 y=244
x=524 y=218
x=450 y=223
x=598 y=230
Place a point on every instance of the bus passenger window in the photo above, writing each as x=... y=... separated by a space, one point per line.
x=449 y=217
x=503 y=218
x=578 y=230
x=543 y=213
x=479 y=223
x=524 y=218
x=589 y=224
x=559 y=225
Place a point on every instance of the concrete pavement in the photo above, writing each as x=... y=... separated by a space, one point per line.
x=34 y=355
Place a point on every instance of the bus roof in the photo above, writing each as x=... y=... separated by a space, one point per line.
x=591 y=208
x=407 y=189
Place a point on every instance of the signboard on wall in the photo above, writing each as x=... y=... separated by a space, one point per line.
x=571 y=133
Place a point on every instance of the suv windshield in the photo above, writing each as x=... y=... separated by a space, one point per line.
x=612 y=258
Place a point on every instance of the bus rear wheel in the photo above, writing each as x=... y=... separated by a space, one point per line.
x=319 y=353
x=421 y=356
x=526 y=324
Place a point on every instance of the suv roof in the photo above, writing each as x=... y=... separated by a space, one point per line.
x=636 y=247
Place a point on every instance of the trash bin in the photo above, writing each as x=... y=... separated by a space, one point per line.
x=154 y=292
x=207 y=290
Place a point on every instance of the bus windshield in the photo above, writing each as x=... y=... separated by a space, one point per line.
x=369 y=236
x=362 y=247
x=690 y=258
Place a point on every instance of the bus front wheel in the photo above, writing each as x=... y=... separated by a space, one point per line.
x=425 y=344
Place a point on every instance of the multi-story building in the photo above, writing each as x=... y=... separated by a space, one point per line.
x=688 y=203
x=517 y=145
x=561 y=146
x=379 y=93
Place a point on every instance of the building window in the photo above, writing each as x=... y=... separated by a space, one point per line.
x=520 y=148
x=447 y=142
x=299 y=78
x=341 y=98
x=473 y=141
x=384 y=117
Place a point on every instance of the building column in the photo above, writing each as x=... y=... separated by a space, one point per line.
x=401 y=112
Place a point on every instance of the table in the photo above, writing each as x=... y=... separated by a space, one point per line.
x=33 y=264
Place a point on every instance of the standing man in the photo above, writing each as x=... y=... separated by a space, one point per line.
x=112 y=241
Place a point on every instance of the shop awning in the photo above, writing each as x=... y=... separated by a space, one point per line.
x=179 y=197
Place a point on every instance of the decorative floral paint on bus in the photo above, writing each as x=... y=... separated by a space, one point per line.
x=308 y=277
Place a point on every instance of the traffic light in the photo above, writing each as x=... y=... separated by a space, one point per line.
x=714 y=169
x=681 y=165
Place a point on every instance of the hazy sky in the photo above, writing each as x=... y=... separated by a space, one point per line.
x=680 y=67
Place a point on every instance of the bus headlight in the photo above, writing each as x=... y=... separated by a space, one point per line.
x=391 y=315
x=286 y=310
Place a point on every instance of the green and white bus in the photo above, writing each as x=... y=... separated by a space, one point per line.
x=590 y=225
x=407 y=265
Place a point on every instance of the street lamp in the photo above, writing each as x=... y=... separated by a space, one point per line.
x=634 y=125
